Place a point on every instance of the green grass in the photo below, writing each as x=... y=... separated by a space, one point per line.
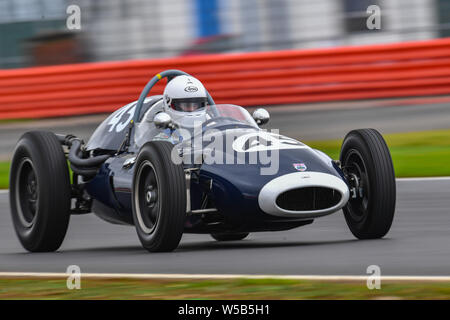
x=415 y=154
x=218 y=289
x=7 y=121
x=4 y=175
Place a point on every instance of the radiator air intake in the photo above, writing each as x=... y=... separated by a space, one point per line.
x=304 y=195
x=308 y=199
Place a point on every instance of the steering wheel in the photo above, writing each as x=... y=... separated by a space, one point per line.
x=154 y=80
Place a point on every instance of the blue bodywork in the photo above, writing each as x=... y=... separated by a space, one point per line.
x=232 y=188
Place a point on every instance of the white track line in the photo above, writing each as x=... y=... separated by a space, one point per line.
x=4 y=191
x=218 y=276
x=424 y=179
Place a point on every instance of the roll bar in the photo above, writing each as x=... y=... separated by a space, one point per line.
x=154 y=80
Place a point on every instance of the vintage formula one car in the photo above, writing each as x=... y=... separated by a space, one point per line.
x=141 y=168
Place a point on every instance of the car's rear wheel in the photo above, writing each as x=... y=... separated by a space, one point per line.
x=159 y=197
x=229 y=236
x=367 y=163
x=40 y=192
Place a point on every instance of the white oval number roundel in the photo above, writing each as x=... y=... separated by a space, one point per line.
x=263 y=141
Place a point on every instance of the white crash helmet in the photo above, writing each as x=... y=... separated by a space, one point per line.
x=185 y=100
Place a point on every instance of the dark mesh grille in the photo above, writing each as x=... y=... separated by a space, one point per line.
x=307 y=199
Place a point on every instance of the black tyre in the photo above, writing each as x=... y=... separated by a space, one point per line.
x=367 y=164
x=159 y=197
x=229 y=236
x=40 y=192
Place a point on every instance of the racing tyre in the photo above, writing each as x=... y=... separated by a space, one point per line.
x=229 y=236
x=40 y=192
x=367 y=163
x=159 y=197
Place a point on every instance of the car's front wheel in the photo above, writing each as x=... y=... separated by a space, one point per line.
x=159 y=197
x=367 y=164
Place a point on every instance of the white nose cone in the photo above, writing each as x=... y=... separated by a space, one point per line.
x=269 y=194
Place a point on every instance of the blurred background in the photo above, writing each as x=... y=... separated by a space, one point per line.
x=312 y=63
x=33 y=32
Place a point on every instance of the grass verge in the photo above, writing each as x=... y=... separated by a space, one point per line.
x=4 y=175
x=218 y=289
x=7 y=121
x=415 y=154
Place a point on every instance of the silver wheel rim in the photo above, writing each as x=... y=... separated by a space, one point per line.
x=149 y=196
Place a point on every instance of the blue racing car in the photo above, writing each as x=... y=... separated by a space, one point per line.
x=179 y=163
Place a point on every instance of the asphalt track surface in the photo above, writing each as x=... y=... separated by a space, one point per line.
x=418 y=244
x=306 y=122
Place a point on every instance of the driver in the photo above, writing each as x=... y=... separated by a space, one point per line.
x=185 y=100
